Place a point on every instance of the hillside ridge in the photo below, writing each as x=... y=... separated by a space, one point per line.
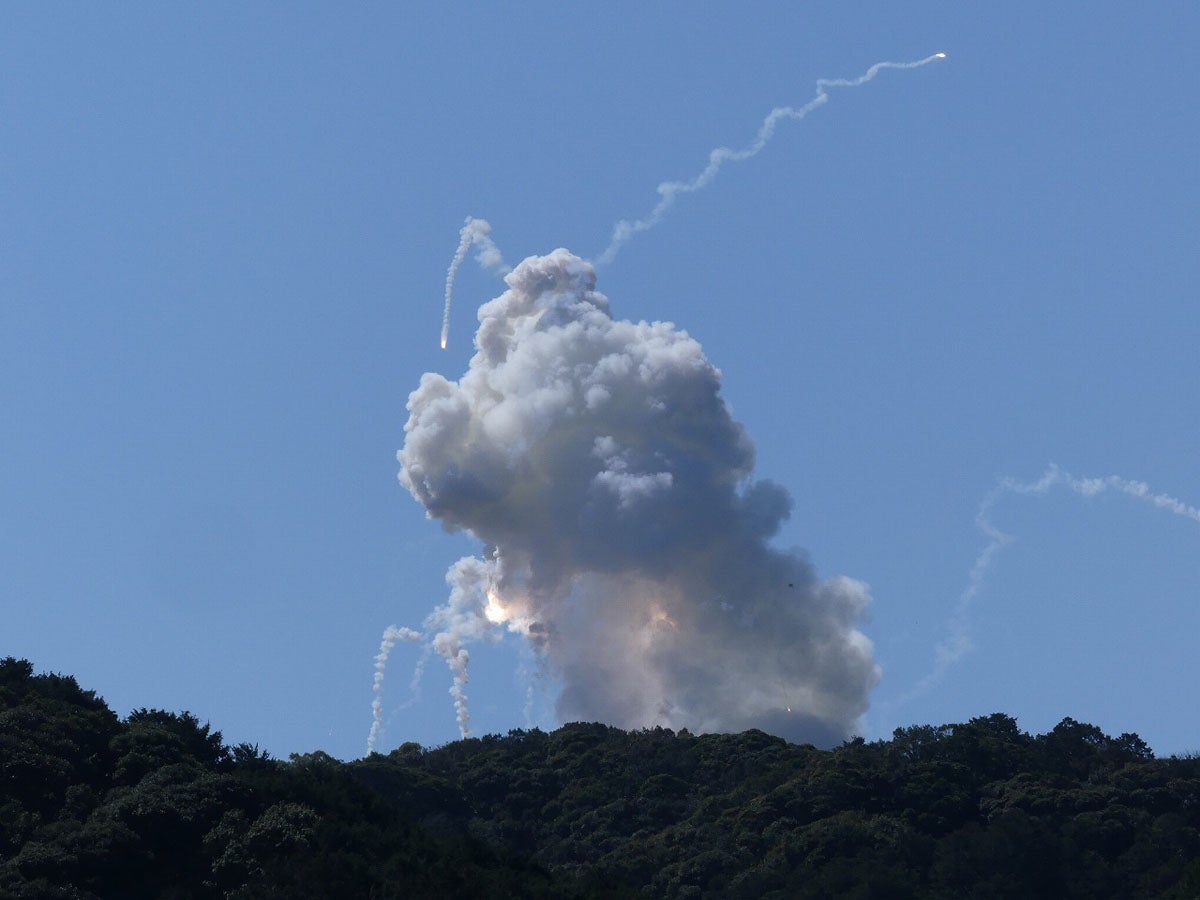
x=156 y=804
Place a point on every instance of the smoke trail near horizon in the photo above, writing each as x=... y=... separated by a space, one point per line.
x=474 y=231
x=958 y=642
x=391 y=635
x=669 y=191
x=624 y=536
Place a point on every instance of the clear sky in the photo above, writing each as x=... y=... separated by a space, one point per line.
x=224 y=233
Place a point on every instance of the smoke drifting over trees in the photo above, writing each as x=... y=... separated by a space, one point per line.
x=624 y=535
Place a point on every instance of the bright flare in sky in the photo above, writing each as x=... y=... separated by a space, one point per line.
x=494 y=610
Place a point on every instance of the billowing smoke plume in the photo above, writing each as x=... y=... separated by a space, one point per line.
x=624 y=537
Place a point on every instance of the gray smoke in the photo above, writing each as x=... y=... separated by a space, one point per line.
x=623 y=535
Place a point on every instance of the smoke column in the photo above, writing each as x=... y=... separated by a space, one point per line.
x=624 y=538
x=958 y=643
x=669 y=191
x=390 y=635
x=475 y=231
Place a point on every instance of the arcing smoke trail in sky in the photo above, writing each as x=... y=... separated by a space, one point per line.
x=475 y=231
x=390 y=636
x=624 y=536
x=478 y=231
x=669 y=191
x=958 y=643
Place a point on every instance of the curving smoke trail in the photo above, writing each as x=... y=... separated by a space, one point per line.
x=391 y=635
x=669 y=191
x=478 y=231
x=474 y=231
x=625 y=539
x=958 y=642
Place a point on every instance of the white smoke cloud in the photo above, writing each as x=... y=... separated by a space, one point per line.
x=625 y=539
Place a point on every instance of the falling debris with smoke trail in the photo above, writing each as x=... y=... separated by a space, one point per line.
x=390 y=636
x=474 y=231
x=478 y=231
x=625 y=538
x=958 y=642
x=669 y=191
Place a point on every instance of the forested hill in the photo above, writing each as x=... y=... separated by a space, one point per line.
x=156 y=805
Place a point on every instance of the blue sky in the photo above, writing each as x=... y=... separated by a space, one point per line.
x=224 y=239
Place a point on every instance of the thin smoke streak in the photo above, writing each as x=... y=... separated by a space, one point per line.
x=958 y=642
x=533 y=675
x=478 y=231
x=669 y=191
x=391 y=635
x=414 y=684
x=474 y=231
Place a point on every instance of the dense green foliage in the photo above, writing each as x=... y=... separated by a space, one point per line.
x=158 y=806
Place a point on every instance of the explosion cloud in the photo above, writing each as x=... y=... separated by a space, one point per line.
x=626 y=540
x=624 y=536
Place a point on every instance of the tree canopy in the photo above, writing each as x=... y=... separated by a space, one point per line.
x=156 y=805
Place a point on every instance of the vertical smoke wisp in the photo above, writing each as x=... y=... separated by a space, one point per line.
x=669 y=191
x=474 y=231
x=391 y=635
x=467 y=617
x=625 y=539
x=958 y=642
